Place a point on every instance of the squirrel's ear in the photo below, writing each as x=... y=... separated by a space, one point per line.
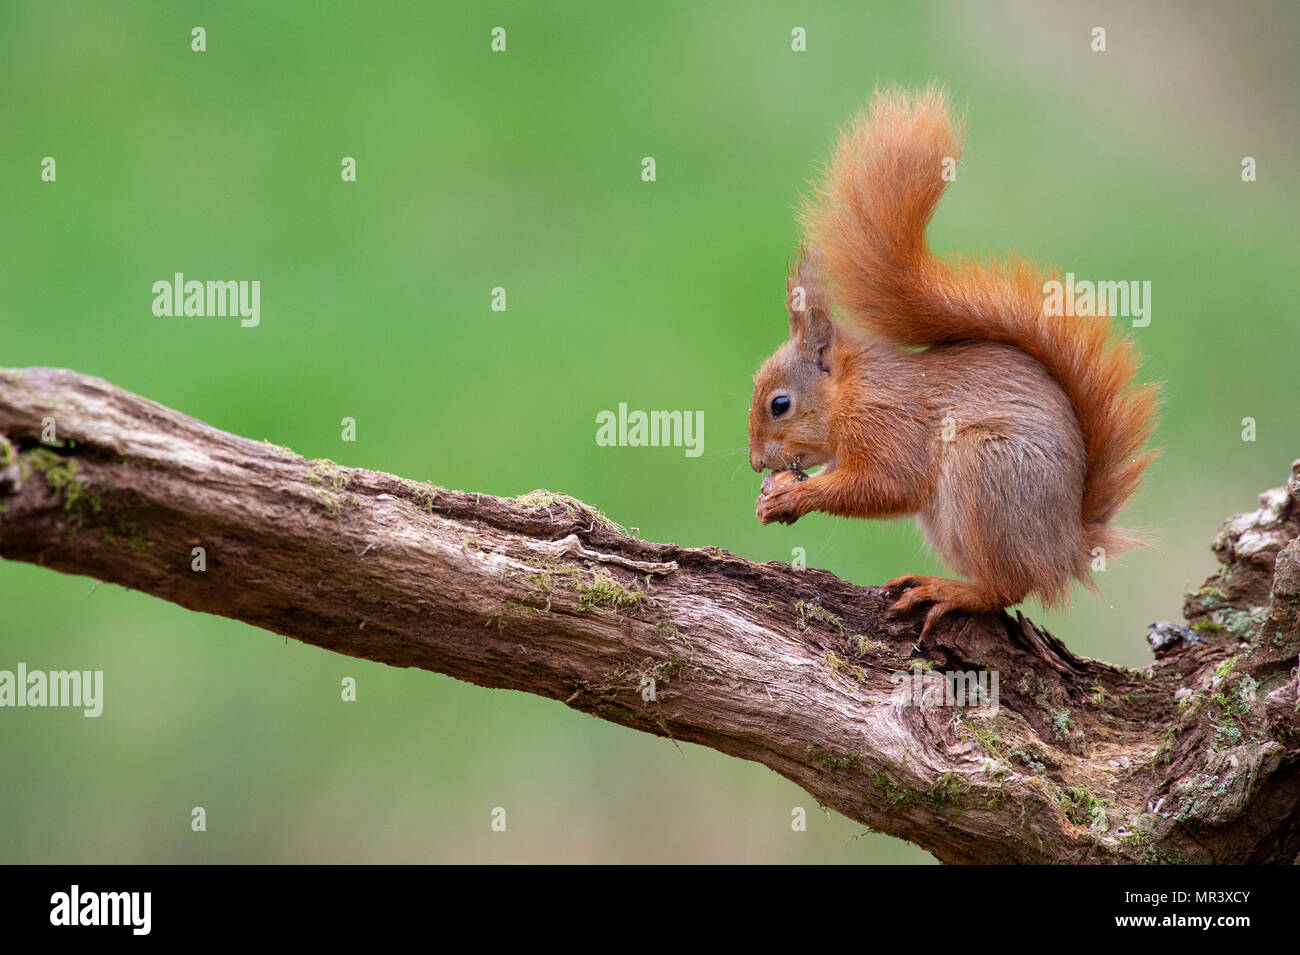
x=796 y=300
x=810 y=314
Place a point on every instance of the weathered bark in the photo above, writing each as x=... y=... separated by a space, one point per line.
x=1194 y=758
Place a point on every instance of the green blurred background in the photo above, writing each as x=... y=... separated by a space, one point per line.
x=522 y=170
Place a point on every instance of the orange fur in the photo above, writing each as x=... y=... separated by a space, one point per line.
x=868 y=223
x=1047 y=427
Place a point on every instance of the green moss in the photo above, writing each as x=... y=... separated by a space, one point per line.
x=330 y=502
x=57 y=470
x=123 y=527
x=333 y=482
x=84 y=502
x=1028 y=759
x=547 y=574
x=1207 y=626
x=327 y=473
x=1139 y=836
x=425 y=494
x=1232 y=716
x=866 y=646
x=1189 y=704
x=1231 y=704
x=80 y=504
x=1221 y=672
x=1083 y=808
x=670 y=631
x=813 y=610
x=839 y=664
x=6 y=452
x=280 y=450
x=543 y=578
x=989 y=739
x=1141 y=839
x=663 y=671
x=843 y=763
x=1165 y=751
x=1061 y=723
x=605 y=591
x=895 y=795
x=542 y=500
x=946 y=792
x=515 y=608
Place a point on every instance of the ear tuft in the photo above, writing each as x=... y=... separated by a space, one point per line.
x=810 y=311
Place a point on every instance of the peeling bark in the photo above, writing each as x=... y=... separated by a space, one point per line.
x=1192 y=759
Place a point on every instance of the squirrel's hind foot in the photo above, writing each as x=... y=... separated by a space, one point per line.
x=943 y=594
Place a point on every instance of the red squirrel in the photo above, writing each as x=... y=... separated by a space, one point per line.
x=947 y=393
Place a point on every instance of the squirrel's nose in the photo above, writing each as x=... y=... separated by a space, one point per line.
x=756 y=461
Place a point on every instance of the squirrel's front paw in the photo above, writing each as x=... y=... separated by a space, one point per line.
x=780 y=500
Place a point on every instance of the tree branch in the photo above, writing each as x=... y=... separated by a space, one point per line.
x=1192 y=759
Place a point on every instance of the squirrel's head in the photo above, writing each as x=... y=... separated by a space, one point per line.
x=788 y=427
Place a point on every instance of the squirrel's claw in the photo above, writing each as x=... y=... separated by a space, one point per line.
x=920 y=590
x=779 y=505
x=945 y=595
x=902 y=583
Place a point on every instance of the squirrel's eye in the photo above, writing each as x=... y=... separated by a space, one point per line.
x=780 y=405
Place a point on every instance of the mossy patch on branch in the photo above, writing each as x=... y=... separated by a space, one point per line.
x=868 y=646
x=512 y=608
x=669 y=630
x=1141 y=838
x=840 y=665
x=543 y=500
x=896 y=795
x=1083 y=808
x=990 y=740
x=813 y=610
x=84 y=501
x=326 y=472
x=946 y=793
x=332 y=482
x=845 y=762
x=425 y=495
x=279 y=450
x=605 y=591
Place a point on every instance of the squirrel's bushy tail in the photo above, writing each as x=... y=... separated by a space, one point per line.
x=866 y=223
